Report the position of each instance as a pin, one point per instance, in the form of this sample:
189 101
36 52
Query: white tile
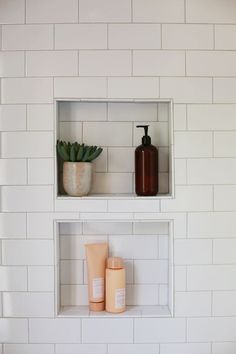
117 249
74 295
134 36
122 136
13 330
210 63
28 304
54 330
27 90
12 11
72 247
105 11
29 348
224 303
211 117
70 228
82 111
142 295
12 64
107 228
27 252
160 330
40 117
211 171
145 246
163 155
210 11
211 224
224 144
12 117
27 198
180 116
223 251
70 131
133 87
211 329
51 63
22 37
121 159
87 87
187 36
13 171
39 225
158 63
190 304
133 205
163 246
224 90
105 63
186 348
41 278
211 277
55 11
27 144
224 37
132 111
107 330
13 278
80 36
104 183
158 132
151 228
193 252
180 278
71 272
224 198
190 198
226 347
81 348
158 11
76 206
40 171
187 90
180 171
133 348
12 225
150 271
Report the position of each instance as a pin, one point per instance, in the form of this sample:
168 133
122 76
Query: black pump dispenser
146 139
146 166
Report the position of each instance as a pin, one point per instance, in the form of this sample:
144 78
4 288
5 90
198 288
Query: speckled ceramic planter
77 178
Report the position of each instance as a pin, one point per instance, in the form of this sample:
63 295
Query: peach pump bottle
115 285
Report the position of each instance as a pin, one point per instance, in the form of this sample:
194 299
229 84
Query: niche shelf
112 124
147 248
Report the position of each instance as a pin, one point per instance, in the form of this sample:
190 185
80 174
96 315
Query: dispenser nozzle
146 140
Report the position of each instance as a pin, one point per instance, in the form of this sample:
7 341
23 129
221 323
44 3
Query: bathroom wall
184 50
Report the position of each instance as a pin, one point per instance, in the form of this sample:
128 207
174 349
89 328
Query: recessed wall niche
112 125
147 248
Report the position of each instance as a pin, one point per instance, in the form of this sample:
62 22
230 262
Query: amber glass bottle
146 166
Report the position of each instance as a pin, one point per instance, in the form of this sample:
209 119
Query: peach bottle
115 285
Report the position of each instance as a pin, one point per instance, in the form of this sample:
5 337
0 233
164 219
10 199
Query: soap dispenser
146 166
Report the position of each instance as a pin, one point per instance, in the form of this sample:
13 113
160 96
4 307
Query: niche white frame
132 311
171 188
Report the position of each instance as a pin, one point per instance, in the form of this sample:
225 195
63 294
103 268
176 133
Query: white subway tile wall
127 49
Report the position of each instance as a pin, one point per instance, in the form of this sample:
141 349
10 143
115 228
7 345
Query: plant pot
77 178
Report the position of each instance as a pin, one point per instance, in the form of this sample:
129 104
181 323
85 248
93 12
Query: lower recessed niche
146 247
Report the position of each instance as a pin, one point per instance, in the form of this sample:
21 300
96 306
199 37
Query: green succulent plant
75 152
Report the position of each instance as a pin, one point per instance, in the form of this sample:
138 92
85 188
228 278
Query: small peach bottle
115 285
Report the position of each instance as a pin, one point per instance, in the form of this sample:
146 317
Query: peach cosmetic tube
96 255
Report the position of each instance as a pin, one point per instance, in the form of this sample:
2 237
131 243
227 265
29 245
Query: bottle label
98 288
120 298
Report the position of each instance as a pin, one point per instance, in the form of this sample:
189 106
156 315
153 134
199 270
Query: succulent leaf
94 154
